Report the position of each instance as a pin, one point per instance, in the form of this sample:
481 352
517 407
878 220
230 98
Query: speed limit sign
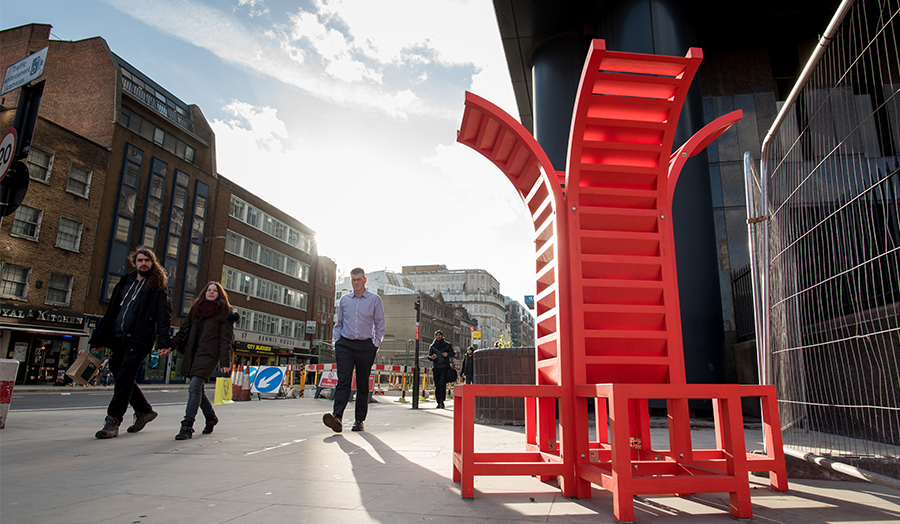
7 149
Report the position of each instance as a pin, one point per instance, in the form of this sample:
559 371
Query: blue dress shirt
359 316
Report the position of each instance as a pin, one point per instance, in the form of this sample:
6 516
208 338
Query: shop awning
43 330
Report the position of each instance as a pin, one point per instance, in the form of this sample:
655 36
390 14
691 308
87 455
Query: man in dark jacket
468 365
441 355
136 320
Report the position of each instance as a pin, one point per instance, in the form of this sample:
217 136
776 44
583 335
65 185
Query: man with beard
136 320
441 355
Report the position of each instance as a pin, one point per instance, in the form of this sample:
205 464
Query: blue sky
341 113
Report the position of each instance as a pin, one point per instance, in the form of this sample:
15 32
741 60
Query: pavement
273 461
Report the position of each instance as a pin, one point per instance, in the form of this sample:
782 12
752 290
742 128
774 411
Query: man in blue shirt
358 331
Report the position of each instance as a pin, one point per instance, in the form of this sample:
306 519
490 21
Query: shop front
44 341
257 349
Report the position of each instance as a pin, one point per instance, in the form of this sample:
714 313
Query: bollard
8 369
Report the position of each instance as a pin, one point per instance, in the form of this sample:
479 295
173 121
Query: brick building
323 300
46 250
268 267
118 161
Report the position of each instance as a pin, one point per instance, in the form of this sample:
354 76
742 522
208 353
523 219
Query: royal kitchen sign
28 316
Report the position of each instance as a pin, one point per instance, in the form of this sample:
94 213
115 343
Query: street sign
7 150
476 334
24 71
268 379
328 379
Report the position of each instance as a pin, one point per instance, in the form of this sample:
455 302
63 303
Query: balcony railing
164 109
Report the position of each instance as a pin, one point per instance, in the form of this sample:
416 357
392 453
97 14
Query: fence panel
829 253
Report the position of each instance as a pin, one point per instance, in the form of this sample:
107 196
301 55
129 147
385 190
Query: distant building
399 297
398 347
521 324
380 282
267 267
323 299
474 289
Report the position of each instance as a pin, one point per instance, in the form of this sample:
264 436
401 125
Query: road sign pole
415 394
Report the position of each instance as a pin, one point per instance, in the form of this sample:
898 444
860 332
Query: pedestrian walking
136 320
441 355
205 338
358 332
468 365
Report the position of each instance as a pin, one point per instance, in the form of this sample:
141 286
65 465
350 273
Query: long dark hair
223 306
156 280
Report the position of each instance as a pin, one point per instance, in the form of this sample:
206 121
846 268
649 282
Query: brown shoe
141 420
333 421
358 425
110 428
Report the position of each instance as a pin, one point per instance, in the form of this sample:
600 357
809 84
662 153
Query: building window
69 236
79 181
238 208
153 204
287 328
27 222
253 217
59 289
14 281
39 165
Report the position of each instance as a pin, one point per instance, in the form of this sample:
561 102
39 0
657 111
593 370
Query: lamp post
415 396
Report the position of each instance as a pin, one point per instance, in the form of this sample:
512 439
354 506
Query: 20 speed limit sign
7 149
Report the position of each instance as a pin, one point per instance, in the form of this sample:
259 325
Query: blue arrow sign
268 379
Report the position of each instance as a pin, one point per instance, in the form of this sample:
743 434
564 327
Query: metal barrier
387 378
824 225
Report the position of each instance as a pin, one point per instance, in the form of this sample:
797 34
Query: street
95 397
274 461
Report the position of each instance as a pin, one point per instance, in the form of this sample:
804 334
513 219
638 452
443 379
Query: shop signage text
40 317
251 337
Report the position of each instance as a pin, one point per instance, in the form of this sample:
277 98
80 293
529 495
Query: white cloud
425 199
379 34
256 7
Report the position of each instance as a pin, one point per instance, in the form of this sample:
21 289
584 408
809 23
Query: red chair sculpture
608 319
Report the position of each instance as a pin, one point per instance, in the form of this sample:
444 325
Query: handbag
452 375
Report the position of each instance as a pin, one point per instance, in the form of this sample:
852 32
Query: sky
341 113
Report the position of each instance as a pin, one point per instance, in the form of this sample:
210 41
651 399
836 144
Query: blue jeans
197 399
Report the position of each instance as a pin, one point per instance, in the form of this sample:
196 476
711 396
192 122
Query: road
90 399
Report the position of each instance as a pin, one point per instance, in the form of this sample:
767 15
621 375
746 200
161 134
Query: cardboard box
84 367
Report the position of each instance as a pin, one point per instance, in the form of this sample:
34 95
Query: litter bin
503 366
8 369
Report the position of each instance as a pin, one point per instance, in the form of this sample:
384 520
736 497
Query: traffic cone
245 390
236 381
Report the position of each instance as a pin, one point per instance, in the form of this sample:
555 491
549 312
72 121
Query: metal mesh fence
829 253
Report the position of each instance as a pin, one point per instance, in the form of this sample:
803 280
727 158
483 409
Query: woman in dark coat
209 330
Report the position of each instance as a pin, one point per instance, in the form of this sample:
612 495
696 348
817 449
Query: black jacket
468 365
153 315
438 347
208 344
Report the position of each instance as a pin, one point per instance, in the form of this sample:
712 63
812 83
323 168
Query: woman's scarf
208 308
